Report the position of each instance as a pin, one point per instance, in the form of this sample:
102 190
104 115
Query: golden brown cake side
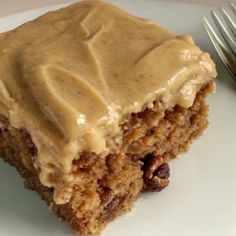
113 183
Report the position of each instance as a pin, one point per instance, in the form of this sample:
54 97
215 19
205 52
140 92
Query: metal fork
225 42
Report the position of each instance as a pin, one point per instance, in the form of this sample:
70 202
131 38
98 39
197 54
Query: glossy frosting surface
70 76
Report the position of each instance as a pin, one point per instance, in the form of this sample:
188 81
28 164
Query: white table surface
12 6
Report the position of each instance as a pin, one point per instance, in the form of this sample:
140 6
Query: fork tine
224 31
233 7
229 20
224 53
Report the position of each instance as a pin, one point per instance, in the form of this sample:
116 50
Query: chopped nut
156 174
105 195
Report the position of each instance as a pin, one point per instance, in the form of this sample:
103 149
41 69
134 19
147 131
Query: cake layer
107 187
72 76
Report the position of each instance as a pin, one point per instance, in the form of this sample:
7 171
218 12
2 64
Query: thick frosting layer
70 76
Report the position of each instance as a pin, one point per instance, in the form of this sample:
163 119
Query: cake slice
94 103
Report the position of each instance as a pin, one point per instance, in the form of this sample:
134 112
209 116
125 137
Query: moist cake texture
93 104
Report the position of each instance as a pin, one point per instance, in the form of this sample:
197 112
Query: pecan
105 195
156 174
111 207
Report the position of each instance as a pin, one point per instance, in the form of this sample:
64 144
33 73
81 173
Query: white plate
201 199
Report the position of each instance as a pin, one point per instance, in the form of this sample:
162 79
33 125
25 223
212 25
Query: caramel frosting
71 76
